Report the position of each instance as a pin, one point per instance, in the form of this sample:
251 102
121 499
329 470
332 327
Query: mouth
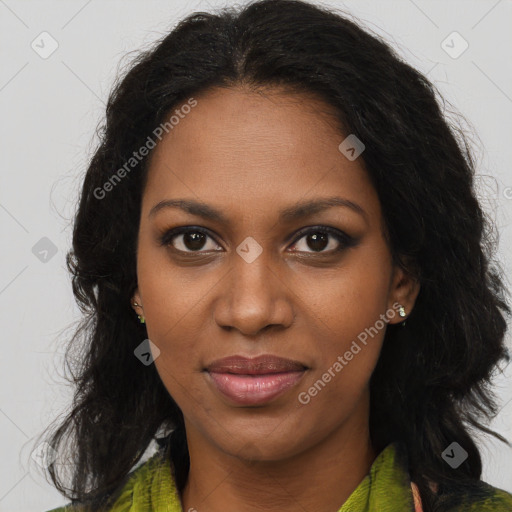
245 381
261 365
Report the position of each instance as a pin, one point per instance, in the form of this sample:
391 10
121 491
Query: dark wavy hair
432 383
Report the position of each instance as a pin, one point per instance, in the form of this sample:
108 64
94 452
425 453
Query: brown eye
189 239
321 238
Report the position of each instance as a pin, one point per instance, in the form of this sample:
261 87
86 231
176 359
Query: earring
402 313
140 317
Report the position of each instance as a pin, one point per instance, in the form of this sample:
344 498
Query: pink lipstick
254 381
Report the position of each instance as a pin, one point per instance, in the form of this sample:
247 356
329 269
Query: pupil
194 241
317 241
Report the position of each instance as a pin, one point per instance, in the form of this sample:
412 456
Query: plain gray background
49 110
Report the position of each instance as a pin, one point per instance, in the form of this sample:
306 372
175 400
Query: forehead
256 150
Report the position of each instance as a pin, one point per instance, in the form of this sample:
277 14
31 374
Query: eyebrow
297 211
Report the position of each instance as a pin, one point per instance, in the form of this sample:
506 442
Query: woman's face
264 275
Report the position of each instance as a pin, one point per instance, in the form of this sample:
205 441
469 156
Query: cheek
343 368
351 297
174 324
347 314
172 297
180 361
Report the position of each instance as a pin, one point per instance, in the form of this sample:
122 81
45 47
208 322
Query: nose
253 297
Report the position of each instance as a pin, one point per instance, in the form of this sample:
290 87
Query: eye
319 238
192 239
188 239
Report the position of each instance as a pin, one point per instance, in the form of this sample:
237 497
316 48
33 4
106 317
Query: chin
262 448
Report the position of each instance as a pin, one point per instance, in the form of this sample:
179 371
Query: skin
250 155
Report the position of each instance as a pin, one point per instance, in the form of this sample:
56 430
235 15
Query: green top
386 488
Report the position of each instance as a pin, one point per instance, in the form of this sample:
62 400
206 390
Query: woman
287 280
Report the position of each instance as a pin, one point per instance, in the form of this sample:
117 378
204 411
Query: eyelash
345 241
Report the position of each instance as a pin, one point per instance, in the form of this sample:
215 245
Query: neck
319 479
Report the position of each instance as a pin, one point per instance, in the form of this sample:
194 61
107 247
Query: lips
261 365
254 381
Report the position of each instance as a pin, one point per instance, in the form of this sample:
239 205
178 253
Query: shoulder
482 497
135 491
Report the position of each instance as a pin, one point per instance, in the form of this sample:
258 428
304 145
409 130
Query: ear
404 290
